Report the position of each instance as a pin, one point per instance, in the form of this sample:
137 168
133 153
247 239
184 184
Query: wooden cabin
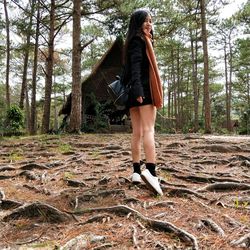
94 88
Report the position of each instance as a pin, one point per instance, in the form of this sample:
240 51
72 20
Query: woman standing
145 95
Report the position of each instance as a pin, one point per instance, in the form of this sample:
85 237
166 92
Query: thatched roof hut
95 84
104 72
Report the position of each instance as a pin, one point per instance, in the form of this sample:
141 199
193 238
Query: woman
145 95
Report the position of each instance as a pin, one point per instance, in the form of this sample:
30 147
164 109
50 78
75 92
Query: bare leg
147 118
136 134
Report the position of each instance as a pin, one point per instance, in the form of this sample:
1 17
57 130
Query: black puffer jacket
138 72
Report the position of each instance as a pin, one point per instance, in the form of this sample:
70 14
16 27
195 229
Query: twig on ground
29 241
134 238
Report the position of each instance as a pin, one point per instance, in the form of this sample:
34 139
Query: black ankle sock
151 168
137 167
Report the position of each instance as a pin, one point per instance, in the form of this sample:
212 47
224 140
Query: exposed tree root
31 166
29 241
160 246
30 175
213 226
170 169
104 246
75 183
134 237
7 168
131 200
219 148
244 241
245 163
224 186
4 177
9 204
172 184
94 196
96 218
155 224
161 204
180 192
230 220
37 190
210 162
240 158
203 179
2 195
37 209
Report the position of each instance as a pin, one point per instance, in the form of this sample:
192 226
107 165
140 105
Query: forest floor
74 192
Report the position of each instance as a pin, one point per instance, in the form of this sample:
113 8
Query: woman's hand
139 99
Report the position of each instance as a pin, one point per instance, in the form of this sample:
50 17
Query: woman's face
147 25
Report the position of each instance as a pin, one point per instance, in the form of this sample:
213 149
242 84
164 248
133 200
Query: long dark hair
137 19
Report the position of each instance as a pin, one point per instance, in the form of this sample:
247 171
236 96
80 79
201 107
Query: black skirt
132 102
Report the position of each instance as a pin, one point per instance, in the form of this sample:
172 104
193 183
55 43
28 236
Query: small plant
68 175
14 120
95 153
15 156
64 148
236 203
243 204
167 176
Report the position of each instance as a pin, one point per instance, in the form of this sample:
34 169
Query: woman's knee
148 130
137 134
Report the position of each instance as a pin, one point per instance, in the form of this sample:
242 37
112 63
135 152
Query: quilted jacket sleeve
136 48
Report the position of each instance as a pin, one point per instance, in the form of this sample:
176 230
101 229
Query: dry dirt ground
74 192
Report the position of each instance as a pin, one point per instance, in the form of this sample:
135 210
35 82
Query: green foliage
245 121
176 23
64 148
95 119
14 120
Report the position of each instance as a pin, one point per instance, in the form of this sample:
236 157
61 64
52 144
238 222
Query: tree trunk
55 108
195 81
207 107
49 72
248 90
34 74
169 93
76 114
7 54
226 84
229 122
177 88
24 88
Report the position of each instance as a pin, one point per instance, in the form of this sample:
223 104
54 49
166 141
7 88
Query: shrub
14 120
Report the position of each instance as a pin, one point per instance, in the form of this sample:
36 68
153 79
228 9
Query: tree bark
49 71
178 89
194 80
7 54
55 107
24 89
34 74
207 105
76 113
229 107
228 122
248 89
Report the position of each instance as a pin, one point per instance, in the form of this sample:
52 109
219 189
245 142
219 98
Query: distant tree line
49 47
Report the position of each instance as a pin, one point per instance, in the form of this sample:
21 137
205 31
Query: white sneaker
151 181
136 178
